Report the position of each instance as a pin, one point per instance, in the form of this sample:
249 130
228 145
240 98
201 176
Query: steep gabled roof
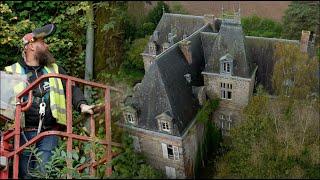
165 88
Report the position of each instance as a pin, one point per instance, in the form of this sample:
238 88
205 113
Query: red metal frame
9 151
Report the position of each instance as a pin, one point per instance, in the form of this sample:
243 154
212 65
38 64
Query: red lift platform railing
7 151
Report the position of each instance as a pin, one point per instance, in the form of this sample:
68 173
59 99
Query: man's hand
86 108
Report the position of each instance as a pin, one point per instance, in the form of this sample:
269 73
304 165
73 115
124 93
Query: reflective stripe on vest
57 97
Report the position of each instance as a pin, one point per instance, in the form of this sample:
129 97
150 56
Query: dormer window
165 126
226 64
152 48
165 122
226 67
165 46
130 115
130 118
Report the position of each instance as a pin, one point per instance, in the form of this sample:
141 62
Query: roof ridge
183 15
278 39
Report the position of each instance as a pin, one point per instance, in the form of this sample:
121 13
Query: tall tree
301 15
295 74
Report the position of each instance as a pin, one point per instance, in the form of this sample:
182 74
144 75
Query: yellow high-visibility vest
57 97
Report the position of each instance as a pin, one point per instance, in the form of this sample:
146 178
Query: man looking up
48 108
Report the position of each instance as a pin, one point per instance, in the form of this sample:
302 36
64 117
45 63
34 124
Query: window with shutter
171 172
170 151
176 152
164 150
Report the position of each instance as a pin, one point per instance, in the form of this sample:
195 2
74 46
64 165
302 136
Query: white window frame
226 64
171 172
225 121
225 89
152 49
130 118
226 67
175 151
165 124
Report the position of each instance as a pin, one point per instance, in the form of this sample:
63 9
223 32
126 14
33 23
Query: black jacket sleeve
77 95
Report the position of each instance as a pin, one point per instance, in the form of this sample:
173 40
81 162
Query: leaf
63 154
108 26
82 160
75 156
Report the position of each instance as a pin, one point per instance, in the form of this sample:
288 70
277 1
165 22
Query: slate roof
182 24
230 39
164 87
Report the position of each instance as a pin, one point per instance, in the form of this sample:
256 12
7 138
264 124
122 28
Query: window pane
229 94
170 152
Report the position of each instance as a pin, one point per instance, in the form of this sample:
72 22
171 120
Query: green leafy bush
261 27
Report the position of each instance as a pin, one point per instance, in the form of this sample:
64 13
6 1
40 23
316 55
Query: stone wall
241 89
150 145
229 113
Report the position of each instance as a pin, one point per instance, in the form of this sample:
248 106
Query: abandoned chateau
188 60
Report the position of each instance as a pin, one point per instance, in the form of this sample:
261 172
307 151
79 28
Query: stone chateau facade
190 59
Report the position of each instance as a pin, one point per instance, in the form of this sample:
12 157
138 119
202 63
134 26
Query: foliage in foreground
279 138
130 164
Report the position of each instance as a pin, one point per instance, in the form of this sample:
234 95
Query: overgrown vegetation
279 137
261 27
128 164
212 136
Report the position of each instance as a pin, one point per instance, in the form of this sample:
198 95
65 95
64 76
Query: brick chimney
209 18
185 47
304 42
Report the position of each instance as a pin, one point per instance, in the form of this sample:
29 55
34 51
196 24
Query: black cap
43 31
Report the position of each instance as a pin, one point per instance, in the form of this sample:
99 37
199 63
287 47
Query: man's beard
44 57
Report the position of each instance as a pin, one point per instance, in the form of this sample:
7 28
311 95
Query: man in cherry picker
48 109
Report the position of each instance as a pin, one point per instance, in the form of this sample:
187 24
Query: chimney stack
209 18
185 47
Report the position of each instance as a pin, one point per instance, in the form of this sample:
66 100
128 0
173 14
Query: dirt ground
268 9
